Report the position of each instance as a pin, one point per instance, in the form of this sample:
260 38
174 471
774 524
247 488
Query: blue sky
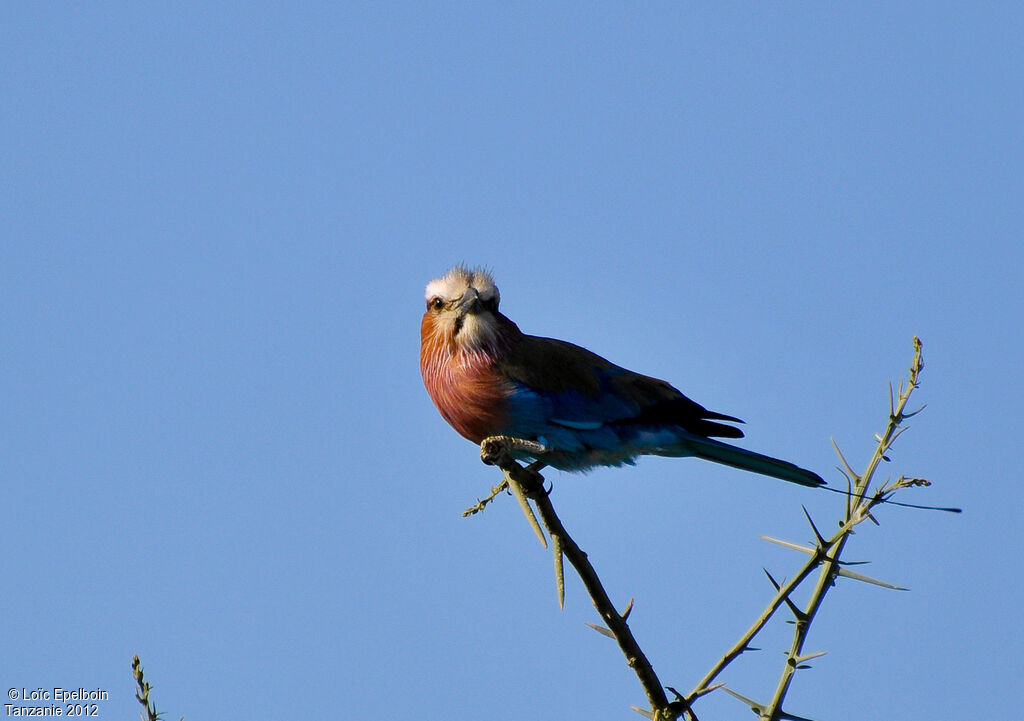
216 224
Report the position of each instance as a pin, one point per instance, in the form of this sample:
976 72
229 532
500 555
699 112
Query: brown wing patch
554 366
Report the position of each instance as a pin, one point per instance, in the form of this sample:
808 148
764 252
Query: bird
580 411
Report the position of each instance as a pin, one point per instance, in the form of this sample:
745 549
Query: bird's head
462 311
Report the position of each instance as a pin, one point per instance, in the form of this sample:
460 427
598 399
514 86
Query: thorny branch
825 555
149 712
495 451
858 508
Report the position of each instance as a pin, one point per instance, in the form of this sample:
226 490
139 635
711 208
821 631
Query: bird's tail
750 461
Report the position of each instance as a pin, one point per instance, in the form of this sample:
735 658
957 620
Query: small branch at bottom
495 452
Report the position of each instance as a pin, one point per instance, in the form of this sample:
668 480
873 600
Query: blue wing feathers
554 383
591 412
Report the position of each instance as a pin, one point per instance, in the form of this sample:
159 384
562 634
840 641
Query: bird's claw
532 471
498 450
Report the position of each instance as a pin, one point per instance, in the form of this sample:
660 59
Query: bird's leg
497 451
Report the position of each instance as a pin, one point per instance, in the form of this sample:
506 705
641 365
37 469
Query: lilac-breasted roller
488 378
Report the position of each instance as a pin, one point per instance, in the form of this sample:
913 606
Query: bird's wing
575 388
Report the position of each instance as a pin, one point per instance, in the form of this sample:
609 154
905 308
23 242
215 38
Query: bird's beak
468 303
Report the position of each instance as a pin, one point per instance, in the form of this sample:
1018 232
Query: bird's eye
435 303
490 304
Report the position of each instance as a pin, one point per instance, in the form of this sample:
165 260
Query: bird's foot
501 450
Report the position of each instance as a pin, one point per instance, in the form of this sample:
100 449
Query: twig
527 485
825 554
532 484
149 712
743 644
481 505
856 512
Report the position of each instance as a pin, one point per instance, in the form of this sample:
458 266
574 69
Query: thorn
797 613
757 708
643 712
822 543
897 434
705 691
783 716
787 544
809 656
843 458
628 610
556 547
600 629
911 414
868 579
517 491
